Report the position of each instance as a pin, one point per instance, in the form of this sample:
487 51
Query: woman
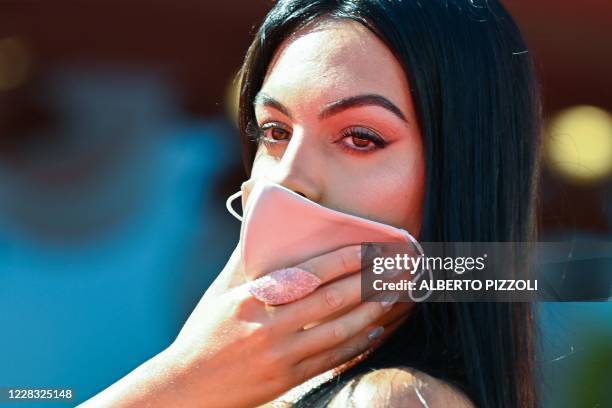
419 114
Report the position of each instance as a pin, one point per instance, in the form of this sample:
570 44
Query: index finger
334 264
289 284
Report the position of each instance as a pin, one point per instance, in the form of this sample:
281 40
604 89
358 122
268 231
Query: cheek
404 202
392 193
263 164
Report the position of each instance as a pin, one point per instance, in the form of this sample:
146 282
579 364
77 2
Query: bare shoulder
399 387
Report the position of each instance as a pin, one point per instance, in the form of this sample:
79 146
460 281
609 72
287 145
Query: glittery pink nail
284 285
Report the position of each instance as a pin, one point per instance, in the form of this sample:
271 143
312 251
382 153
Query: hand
235 351
262 350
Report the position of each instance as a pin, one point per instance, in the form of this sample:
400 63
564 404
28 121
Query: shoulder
399 387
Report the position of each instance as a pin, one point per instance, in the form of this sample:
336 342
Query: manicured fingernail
375 332
358 252
284 285
386 304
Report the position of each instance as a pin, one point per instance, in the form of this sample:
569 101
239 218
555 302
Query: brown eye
278 133
274 132
360 142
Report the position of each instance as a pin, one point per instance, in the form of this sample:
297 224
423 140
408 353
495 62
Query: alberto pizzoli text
459 285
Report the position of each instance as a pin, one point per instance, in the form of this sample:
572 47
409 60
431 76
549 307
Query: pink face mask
281 228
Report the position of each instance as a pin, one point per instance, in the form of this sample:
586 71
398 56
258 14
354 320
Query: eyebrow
338 106
266 100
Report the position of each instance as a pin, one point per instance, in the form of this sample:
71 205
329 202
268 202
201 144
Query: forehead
334 59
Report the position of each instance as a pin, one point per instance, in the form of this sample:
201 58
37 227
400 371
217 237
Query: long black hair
477 103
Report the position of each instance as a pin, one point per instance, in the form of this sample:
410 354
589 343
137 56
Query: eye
361 140
273 132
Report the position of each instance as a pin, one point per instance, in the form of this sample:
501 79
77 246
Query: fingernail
386 304
375 332
284 285
358 251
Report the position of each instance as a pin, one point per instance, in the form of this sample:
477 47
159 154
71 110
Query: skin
324 63
399 387
235 351
321 65
312 154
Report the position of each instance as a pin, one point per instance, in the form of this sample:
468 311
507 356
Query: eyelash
257 134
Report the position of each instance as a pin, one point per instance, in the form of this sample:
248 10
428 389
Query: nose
300 167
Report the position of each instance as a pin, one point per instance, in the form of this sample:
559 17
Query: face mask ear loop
228 205
419 249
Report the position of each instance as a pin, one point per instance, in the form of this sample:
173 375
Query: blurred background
118 148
